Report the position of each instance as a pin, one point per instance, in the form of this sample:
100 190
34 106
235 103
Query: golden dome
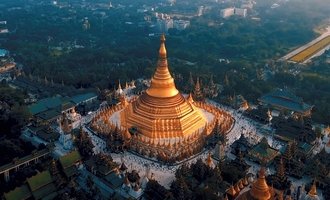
260 189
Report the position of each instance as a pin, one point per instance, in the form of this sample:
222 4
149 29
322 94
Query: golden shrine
259 190
162 112
161 122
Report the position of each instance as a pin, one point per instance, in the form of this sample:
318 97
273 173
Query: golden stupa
259 190
162 112
166 125
161 123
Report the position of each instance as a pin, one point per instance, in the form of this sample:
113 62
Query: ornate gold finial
162 49
162 38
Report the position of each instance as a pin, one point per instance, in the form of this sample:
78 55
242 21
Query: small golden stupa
259 190
312 194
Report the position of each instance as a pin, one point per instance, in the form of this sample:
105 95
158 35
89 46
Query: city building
3 27
69 164
86 25
40 186
241 12
50 109
200 11
263 152
181 24
6 62
164 24
227 12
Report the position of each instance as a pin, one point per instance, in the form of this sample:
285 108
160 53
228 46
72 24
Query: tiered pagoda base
166 151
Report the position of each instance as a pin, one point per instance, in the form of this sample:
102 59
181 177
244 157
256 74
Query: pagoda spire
231 191
119 85
280 173
162 83
190 82
119 91
198 85
190 98
211 84
312 192
197 91
260 190
209 161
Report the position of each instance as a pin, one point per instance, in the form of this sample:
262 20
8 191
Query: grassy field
310 51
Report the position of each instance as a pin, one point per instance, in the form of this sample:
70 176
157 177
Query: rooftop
19 193
101 168
114 180
46 192
83 97
49 108
70 159
39 180
263 152
49 114
45 104
286 99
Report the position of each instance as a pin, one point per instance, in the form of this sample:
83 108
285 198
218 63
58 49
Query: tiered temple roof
263 152
285 100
